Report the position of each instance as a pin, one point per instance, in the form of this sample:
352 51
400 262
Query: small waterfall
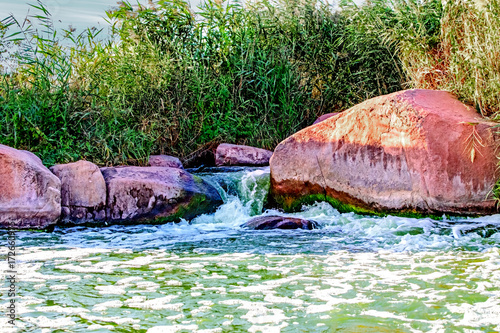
249 186
253 190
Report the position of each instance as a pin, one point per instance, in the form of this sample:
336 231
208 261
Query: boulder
165 161
83 192
30 195
156 195
325 117
279 222
228 154
409 153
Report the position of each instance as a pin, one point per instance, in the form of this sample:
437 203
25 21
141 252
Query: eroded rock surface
229 154
410 152
83 192
279 222
30 195
156 194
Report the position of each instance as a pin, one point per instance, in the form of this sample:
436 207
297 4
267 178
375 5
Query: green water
355 274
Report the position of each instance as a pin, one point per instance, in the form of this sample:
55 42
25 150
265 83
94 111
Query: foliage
170 81
455 47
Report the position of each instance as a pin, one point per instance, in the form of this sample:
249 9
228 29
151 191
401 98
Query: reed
167 81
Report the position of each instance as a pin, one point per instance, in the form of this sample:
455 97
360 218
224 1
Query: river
354 274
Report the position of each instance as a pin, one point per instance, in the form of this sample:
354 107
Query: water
355 274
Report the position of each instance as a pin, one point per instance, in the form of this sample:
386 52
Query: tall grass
168 81
454 47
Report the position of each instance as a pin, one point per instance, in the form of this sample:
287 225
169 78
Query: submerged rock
410 152
279 222
165 161
156 194
30 195
229 154
83 192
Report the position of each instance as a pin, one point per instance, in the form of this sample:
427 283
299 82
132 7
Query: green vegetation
169 81
295 204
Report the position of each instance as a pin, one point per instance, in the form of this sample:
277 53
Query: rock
156 194
279 222
165 161
411 152
325 117
83 192
30 195
228 154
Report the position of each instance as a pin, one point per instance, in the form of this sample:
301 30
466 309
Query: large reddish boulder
229 154
156 194
410 152
83 192
325 117
30 195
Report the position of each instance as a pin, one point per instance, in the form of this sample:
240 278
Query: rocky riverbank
415 152
34 197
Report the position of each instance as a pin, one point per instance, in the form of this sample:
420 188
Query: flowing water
355 274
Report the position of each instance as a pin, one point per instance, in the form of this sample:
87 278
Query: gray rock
156 194
165 161
83 192
229 154
30 195
279 222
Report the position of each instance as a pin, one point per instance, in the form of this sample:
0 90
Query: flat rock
156 194
165 161
410 152
83 192
30 195
229 154
279 222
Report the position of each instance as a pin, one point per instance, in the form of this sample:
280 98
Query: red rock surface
325 117
229 154
414 151
30 195
83 192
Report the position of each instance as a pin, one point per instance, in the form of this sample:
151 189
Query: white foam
106 305
172 328
162 303
116 320
44 322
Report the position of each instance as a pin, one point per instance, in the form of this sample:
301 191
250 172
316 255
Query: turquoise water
355 274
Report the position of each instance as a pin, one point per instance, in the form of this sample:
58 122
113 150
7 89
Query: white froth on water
172 328
44 322
387 273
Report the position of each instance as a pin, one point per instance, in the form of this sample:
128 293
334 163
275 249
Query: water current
354 274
